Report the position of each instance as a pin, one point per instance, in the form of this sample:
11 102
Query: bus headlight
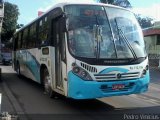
147 67
81 72
144 72
76 69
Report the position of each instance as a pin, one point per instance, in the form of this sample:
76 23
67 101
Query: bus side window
32 36
15 45
43 31
19 41
25 38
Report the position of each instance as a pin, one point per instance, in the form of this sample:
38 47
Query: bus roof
69 3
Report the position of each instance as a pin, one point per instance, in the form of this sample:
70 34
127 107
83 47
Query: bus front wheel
47 84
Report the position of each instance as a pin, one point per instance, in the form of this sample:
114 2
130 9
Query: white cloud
152 11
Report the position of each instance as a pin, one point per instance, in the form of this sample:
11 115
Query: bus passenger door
59 64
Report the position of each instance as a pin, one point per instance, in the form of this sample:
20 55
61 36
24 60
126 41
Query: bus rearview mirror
63 24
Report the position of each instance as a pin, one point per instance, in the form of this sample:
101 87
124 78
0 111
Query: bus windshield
126 32
103 33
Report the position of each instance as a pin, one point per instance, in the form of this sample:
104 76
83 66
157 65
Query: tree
122 3
19 26
144 21
11 13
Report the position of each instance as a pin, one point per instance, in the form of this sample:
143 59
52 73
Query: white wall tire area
47 83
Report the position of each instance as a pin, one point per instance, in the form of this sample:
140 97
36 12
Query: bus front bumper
81 89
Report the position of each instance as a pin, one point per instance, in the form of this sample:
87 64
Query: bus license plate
118 86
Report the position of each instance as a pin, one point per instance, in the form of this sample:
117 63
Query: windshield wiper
96 30
125 39
98 36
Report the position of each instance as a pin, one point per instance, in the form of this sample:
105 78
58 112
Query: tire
47 84
18 70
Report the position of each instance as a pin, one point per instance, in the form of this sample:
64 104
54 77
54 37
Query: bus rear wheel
47 84
18 70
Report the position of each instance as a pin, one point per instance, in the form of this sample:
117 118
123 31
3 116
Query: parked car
6 58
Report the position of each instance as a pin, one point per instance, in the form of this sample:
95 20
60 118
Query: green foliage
144 21
19 26
11 13
107 1
110 1
122 3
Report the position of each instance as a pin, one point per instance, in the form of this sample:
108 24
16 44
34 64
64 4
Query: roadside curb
18 109
16 105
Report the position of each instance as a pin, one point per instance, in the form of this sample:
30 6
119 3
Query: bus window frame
53 15
24 39
40 25
15 42
19 41
34 35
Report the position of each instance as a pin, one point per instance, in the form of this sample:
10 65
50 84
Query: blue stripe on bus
81 89
111 69
33 65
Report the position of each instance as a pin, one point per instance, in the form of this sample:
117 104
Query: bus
83 51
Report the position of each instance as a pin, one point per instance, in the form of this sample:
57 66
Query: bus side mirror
63 24
63 49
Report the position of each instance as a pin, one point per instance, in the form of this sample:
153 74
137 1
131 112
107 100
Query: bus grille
114 76
89 68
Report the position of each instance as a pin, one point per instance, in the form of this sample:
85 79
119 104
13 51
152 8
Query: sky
147 7
28 9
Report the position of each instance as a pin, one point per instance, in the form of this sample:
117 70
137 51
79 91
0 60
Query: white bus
83 51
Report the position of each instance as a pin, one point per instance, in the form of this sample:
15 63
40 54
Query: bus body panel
79 88
52 73
29 63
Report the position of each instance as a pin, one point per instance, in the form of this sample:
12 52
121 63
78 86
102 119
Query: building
152 41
